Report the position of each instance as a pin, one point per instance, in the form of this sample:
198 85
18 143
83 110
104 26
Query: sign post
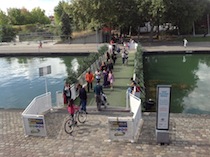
163 113
44 71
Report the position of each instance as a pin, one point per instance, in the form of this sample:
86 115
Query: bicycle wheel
82 116
69 126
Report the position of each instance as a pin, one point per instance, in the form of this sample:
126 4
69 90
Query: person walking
89 79
124 56
98 74
40 44
82 96
111 79
185 42
107 56
98 90
110 65
106 82
67 93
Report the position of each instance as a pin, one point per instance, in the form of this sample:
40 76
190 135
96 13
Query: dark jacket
83 94
98 90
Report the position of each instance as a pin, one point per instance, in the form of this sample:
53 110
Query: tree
66 29
3 18
38 16
184 13
15 16
93 14
151 11
27 16
59 10
7 33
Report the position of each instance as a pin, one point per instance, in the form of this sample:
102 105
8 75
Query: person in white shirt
185 42
98 74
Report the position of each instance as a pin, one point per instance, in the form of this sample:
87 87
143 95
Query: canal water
189 76
20 81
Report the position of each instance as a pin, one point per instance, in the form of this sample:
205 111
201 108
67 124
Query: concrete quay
189 136
47 49
176 47
68 49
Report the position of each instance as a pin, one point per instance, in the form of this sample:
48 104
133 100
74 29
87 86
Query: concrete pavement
51 48
47 48
190 137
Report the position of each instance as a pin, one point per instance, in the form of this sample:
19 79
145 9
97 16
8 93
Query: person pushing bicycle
76 115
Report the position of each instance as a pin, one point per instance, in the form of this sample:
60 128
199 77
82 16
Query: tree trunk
138 33
151 33
130 30
208 25
193 28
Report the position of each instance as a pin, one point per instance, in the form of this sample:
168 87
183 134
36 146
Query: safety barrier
127 128
33 115
81 80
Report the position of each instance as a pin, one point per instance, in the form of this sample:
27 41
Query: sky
47 5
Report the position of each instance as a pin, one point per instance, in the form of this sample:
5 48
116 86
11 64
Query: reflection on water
189 76
198 98
20 81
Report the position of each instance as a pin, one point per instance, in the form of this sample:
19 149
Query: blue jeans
83 103
129 90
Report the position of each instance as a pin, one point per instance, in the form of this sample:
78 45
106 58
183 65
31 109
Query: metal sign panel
163 106
44 70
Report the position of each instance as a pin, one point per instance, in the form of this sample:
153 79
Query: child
71 107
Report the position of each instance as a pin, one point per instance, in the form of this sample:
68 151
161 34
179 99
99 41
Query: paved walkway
51 48
190 137
189 134
47 48
122 75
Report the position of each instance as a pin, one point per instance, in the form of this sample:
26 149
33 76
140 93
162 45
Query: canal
20 81
189 76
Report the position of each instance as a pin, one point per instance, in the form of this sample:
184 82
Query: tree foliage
38 16
66 29
7 33
23 16
15 16
94 14
183 13
3 18
59 10
115 14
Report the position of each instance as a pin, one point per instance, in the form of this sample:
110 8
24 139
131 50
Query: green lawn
198 39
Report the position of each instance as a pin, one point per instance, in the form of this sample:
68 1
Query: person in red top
71 107
89 78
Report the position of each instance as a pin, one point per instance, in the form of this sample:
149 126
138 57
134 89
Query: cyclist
71 107
98 90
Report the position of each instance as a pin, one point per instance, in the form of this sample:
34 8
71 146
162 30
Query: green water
189 76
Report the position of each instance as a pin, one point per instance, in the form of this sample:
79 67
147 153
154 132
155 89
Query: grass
198 39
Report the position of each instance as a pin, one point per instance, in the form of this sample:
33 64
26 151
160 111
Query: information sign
163 106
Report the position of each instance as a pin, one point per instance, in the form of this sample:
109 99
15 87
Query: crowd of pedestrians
103 77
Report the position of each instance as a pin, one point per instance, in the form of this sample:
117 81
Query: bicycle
79 115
